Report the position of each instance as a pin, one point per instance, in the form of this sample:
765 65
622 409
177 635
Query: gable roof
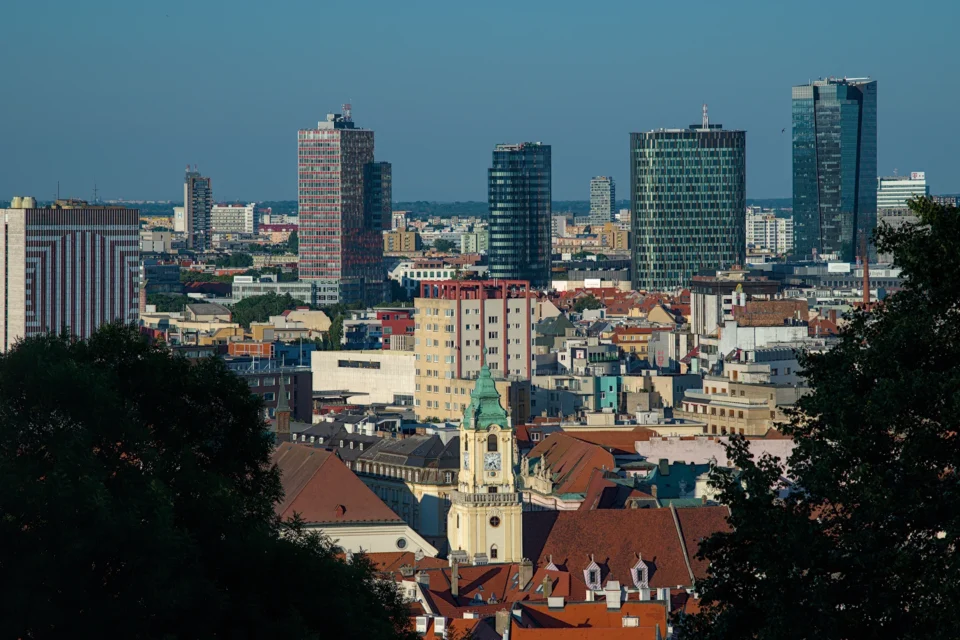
571 461
697 524
308 475
614 537
589 620
617 441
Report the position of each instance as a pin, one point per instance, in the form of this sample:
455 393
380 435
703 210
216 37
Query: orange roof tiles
697 524
590 620
571 461
614 537
308 473
618 441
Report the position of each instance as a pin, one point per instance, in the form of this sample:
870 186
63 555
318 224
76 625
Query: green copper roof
484 408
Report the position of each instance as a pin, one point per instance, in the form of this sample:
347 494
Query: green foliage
260 308
235 260
138 500
293 242
335 334
167 302
866 545
586 302
443 246
581 255
186 277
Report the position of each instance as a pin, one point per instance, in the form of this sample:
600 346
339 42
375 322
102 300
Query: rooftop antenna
58 189
347 112
95 192
706 118
895 172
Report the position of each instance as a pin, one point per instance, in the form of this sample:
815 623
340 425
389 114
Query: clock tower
484 522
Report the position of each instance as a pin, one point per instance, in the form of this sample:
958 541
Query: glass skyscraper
834 166
688 203
520 189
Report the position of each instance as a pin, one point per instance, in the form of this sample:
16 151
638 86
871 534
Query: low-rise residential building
353 516
250 286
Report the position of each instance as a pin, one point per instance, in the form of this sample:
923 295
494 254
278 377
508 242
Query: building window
493 552
448 478
269 396
491 442
494 522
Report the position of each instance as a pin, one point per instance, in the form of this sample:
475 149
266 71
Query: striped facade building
74 267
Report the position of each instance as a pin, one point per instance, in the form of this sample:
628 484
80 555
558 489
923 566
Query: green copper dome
484 408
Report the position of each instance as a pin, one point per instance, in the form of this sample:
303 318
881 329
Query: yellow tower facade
484 522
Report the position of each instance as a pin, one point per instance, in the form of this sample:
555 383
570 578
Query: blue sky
125 93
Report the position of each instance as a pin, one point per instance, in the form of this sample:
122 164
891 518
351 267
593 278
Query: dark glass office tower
834 166
688 203
520 199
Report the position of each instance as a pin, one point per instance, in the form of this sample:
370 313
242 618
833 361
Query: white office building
233 218
603 199
893 192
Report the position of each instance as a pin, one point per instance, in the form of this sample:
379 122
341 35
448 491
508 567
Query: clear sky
125 93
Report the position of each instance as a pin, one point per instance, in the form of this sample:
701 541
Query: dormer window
591 575
491 442
640 574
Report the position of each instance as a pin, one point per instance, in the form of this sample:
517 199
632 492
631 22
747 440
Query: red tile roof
391 561
614 537
308 474
604 493
617 441
697 524
590 620
571 461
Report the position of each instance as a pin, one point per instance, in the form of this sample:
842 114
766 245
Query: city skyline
133 145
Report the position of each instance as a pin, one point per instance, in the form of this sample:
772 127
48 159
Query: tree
167 302
137 495
335 333
588 301
293 242
260 308
235 261
864 545
443 246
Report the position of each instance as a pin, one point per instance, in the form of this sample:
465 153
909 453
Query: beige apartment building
728 407
401 241
457 322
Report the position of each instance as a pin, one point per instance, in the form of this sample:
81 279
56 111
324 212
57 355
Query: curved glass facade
520 192
688 204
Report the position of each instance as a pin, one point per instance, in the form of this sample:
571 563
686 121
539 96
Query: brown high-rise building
70 266
197 205
344 202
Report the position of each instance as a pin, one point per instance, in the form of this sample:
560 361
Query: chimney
423 579
526 573
454 579
547 587
503 621
143 297
653 490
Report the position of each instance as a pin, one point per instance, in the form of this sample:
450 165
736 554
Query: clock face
466 461
491 462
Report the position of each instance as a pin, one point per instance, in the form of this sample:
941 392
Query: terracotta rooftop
618 441
392 561
571 461
697 524
318 486
614 537
590 620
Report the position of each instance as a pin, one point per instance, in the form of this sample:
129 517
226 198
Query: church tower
484 522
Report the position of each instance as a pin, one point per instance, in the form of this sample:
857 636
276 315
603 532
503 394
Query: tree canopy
260 308
235 260
165 302
864 544
443 245
586 302
138 500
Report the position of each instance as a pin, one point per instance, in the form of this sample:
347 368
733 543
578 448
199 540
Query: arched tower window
491 442
493 552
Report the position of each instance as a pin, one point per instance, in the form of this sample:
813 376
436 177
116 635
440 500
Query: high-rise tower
342 196
603 199
520 201
688 203
834 166
197 204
